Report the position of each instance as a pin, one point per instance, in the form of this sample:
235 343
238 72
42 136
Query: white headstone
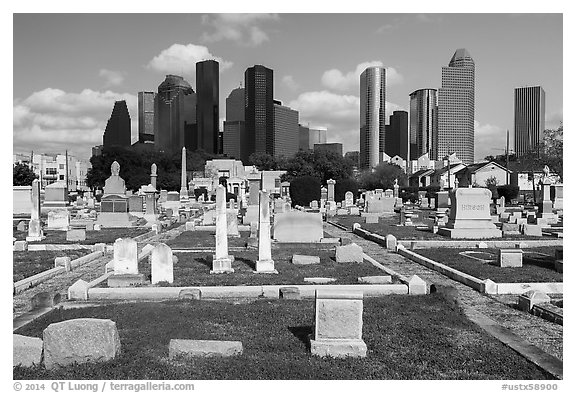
125 256
162 264
221 262
264 264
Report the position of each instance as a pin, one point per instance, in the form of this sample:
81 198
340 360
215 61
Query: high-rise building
146 116
372 115
456 108
286 132
118 130
259 109
332 147
310 136
234 138
529 116
423 124
207 106
396 141
175 115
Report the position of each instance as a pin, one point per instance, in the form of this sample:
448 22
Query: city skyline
57 109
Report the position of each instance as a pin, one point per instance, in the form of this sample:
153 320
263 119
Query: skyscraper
396 140
423 124
118 130
259 105
146 116
175 115
456 108
309 136
529 116
234 138
207 107
286 132
372 115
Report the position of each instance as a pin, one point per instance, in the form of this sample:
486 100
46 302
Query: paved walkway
536 331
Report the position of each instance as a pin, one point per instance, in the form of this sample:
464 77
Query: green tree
22 175
304 190
383 176
323 165
263 161
552 150
344 185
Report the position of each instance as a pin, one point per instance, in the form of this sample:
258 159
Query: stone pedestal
338 324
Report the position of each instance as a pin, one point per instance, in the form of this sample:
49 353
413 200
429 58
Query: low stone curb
416 244
534 354
32 281
59 247
260 291
339 226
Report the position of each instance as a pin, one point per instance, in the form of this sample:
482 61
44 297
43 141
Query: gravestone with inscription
114 203
470 215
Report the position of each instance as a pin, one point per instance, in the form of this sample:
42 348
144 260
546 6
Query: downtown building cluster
440 122
178 116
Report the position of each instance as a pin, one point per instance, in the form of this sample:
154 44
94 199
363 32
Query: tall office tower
529 116
259 109
118 130
234 138
175 115
423 124
146 116
207 106
331 147
397 135
372 115
286 133
456 108
310 136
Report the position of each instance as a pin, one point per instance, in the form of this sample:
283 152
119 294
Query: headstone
21 227
383 205
531 230
442 199
89 226
289 293
209 217
163 196
510 229
26 351
232 222
349 253
371 218
76 235
78 290
254 189
375 280
324 194
162 264
254 229
388 193
58 219
153 174
470 215
348 199
416 286
331 183
221 262
510 258
338 324
298 227
391 242
203 348
265 263
97 227
55 195
558 196
354 211
125 256
20 245
314 204
305 259
189 226
83 340
135 204
531 298
64 262
21 199
251 214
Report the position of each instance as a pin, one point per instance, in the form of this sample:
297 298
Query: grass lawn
106 235
408 337
387 225
194 268
535 267
28 263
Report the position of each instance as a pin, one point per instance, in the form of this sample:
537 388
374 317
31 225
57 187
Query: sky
68 69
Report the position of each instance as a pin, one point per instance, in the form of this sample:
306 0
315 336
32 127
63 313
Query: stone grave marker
265 263
76 235
338 324
298 227
26 351
349 253
162 264
221 262
510 257
58 219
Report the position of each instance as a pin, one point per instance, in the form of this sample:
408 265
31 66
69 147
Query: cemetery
183 288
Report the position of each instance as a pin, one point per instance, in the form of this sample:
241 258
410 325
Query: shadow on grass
546 262
205 261
303 334
251 264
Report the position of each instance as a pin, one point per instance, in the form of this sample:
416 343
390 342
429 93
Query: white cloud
289 82
52 120
338 80
339 113
111 78
181 59
490 140
244 29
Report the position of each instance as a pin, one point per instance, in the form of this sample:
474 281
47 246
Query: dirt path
536 331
